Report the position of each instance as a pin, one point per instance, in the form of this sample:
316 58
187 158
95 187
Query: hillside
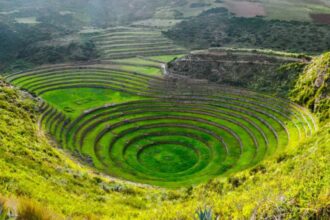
219 28
312 87
267 71
42 178
111 12
164 109
35 171
35 32
24 46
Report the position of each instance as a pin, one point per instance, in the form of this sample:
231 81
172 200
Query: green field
164 109
218 28
166 58
123 116
74 101
297 10
129 42
131 122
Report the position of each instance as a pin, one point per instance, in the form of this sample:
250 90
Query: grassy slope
166 58
312 88
32 168
74 101
294 9
295 183
215 28
145 70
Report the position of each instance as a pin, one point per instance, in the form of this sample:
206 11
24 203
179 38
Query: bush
204 214
29 210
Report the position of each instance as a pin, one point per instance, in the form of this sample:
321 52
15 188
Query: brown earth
321 18
246 9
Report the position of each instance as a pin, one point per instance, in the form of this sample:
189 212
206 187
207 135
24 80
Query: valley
173 109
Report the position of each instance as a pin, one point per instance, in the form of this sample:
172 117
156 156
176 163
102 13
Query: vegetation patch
221 29
312 87
168 131
24 46
127 42
76 191
184 141
261 70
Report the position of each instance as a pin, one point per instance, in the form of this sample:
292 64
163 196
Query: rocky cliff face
251 70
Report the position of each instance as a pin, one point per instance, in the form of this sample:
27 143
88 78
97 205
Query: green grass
119 43
166 58
293 9
137 60
120 122
203 32
311 88
50 181
145 70
222 133
297 10
138 48
73 102
121 160
167 158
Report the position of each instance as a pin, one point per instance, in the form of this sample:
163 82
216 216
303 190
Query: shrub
3 209
204 214
29 210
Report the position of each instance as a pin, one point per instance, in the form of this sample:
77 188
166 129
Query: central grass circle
168 158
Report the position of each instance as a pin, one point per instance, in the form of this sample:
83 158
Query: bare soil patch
321 18
246 9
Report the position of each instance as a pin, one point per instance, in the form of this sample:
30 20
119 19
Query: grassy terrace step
69 68
51 78
53 120
127 40
277 104
43 80
270 111
171 132
145 38
143 53
237 115
131 42
145 48
126 29
126 34
105 43
37 85
137 45
90 127
60 76
40 87
141 50
133 63
163 58
210 113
